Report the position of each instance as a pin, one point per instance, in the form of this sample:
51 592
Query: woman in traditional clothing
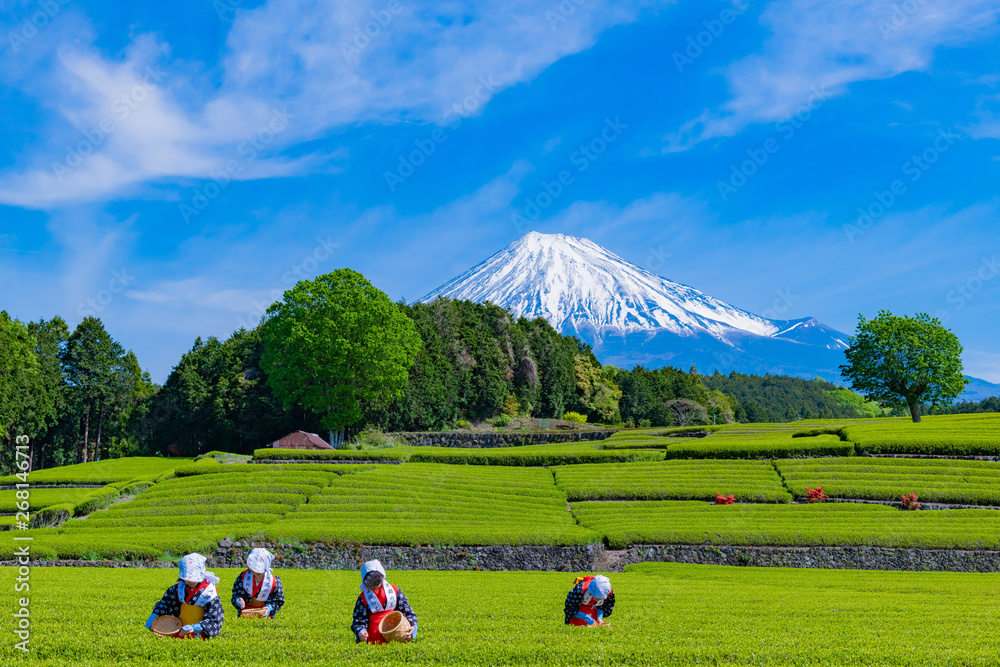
193 599
378 597
590 601
258 585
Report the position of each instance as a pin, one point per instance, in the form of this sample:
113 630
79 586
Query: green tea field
665 614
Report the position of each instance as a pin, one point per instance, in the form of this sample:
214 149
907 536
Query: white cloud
822 47
120 123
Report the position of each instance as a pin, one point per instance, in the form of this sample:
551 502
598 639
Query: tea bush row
679 522
749 481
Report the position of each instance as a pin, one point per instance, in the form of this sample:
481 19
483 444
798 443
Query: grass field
933 480
665 614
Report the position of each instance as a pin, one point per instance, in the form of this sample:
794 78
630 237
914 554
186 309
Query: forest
81 395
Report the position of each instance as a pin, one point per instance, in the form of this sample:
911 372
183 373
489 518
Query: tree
686 412
905 361
20 382
335 342
93 367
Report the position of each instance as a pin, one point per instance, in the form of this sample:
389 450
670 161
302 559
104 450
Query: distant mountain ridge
632 316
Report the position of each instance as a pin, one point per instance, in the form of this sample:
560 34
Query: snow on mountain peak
580 287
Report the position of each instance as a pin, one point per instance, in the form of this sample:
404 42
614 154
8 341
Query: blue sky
173 167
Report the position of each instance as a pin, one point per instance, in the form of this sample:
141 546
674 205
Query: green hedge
166 490
527 455
140 543
709 448
98 500
54 515
272 468
41 498
127 510
107 522
259 499
388 454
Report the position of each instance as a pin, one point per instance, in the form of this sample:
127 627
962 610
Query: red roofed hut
301 440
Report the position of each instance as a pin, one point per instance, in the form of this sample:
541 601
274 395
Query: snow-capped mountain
584 289
632 316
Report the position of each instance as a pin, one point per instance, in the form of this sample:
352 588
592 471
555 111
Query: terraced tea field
933 480
666 614
437 504
841 524
750 481
629 489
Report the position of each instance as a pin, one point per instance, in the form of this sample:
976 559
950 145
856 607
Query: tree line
337 355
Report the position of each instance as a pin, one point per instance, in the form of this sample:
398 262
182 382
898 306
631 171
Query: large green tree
905 361
333 343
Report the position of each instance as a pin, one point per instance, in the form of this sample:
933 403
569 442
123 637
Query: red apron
587 609
374 636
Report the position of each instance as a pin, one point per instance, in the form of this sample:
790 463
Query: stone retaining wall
587 558
496 438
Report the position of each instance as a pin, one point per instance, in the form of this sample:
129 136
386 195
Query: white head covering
259 560
192 568
372 566
600 587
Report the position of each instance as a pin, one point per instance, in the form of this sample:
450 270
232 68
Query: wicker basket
394 627
166 626
253 612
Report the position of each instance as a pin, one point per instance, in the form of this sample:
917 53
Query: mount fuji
631 316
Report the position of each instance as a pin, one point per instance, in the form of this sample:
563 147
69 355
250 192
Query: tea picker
257 590
590 601
190 608
382 613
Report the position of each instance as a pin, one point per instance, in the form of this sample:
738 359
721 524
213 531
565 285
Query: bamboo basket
253 612
394 627
166 626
